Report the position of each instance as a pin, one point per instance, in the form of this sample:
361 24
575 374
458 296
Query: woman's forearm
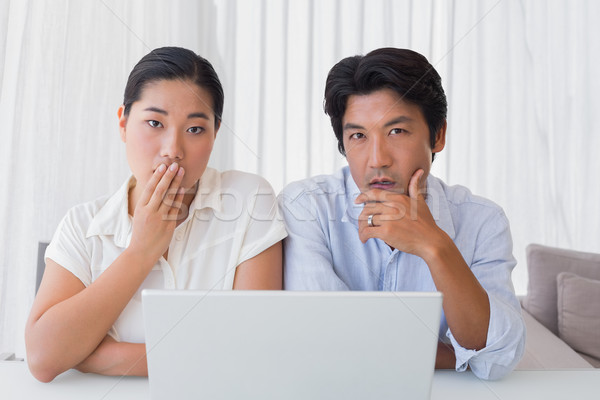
68 332
115 358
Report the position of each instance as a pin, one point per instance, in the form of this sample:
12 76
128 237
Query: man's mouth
381 183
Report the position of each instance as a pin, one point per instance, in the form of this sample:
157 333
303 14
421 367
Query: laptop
290 345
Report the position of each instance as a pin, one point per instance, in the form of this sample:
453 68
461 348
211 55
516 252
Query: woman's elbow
40 364
41 369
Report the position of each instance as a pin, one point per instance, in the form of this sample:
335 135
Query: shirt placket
175 252
388 280
168 275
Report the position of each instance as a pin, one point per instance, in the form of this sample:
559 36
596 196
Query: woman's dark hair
406 72
169 63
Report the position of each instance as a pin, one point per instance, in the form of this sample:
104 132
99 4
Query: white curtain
63 69
519 75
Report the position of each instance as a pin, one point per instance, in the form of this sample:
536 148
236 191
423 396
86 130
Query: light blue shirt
323 252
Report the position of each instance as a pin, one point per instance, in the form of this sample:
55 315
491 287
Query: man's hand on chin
402 221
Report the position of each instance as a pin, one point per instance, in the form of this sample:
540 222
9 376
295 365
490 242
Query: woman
174 224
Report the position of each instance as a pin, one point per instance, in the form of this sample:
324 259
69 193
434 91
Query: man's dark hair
170 63
404 71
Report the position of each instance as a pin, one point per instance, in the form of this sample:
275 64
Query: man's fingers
413 185
372 196
387 210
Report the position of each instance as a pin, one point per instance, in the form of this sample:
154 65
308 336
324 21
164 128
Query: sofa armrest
544 350
9 357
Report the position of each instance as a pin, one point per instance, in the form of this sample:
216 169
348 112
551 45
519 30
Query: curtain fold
520 77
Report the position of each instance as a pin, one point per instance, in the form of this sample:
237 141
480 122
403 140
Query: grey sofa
561 309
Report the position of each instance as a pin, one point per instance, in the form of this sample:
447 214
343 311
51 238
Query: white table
17 383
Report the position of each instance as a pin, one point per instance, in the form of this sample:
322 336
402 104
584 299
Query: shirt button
179 236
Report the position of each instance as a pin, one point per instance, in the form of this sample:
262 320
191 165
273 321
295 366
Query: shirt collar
113 217
436 201
352 191
209 192
438 205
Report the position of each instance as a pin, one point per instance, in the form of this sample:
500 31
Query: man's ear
122 123
440 139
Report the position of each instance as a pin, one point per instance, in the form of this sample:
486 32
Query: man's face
386 141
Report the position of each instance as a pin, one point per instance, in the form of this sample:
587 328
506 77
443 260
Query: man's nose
379 154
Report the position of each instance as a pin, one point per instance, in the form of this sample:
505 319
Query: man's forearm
445 357
466 303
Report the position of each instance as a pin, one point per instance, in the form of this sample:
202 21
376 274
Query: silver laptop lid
290 345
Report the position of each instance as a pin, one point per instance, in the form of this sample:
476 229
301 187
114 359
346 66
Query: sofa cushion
579 313
544 350
543 265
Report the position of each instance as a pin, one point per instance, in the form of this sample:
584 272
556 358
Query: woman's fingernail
161 168
174 167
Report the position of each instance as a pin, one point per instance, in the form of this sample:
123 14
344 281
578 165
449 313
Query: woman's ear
217 127
440 139
122 123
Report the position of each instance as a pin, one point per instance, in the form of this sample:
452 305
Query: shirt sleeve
265 226
68 247
307 260
492 265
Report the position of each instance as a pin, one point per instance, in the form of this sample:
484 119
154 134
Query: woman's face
173 121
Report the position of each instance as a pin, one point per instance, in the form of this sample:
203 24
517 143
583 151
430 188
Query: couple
166 227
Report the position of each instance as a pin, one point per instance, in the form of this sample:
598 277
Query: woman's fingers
176 206
170 199
151 185
162 187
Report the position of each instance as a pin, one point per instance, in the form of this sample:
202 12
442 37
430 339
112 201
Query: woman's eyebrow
157 110
198 115
190 116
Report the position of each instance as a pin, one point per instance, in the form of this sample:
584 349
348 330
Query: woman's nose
172 146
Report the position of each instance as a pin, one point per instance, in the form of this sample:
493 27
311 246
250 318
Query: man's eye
154 123
357 135
397 131
196 130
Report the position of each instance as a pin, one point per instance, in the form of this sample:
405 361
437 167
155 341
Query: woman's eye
196 130
154 123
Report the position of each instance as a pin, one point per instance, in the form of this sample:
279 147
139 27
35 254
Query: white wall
520 78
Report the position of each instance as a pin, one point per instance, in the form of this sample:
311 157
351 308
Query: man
384 223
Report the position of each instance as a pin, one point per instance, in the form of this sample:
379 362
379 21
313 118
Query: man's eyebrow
398 120
350 125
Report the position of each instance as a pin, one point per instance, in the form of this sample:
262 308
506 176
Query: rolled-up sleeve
492 264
